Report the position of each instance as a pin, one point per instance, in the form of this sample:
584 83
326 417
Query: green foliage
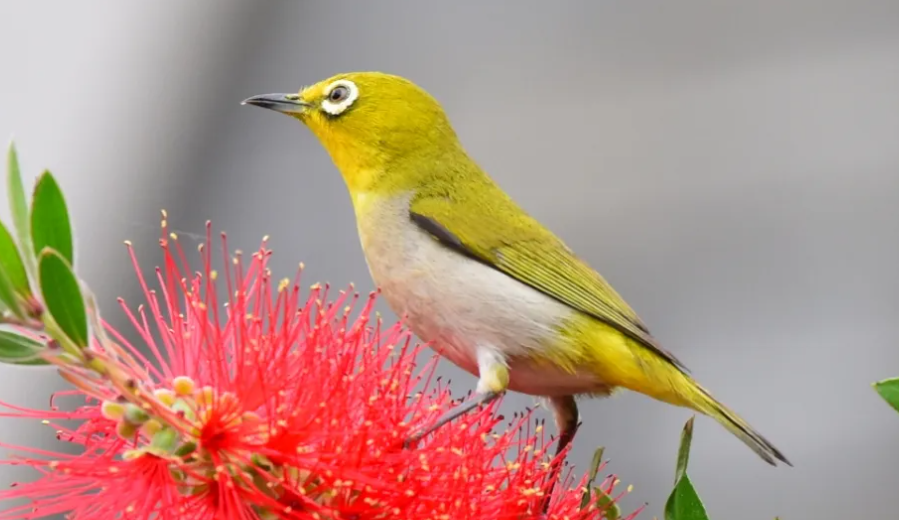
50 227
595 494
16 349
683 453
19 208
684 503
8 296
607 505
38 288
594 469
18 270
889 391
11 263
62 296
14 286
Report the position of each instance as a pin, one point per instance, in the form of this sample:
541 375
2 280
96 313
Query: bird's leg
492 383
460 410
567 422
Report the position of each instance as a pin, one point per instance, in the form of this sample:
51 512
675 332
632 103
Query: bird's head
372 124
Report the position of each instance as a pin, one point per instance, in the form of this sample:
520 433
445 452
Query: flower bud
151 427
166 440
165 396
112 410
126 430
183 385
135 415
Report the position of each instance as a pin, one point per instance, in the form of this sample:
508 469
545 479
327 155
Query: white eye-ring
339 96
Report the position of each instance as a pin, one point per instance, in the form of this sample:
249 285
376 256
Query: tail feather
629 365
740 428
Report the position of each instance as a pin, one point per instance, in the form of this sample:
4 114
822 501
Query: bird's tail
630 365
702 401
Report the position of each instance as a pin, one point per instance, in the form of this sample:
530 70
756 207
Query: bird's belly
457 317
459 304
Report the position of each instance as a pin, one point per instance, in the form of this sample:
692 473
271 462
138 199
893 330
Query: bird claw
407 444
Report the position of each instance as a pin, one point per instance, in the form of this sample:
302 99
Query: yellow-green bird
494 291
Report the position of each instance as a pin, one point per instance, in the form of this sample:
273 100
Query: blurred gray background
731 167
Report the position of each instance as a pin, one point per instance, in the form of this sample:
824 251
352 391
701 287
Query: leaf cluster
42 302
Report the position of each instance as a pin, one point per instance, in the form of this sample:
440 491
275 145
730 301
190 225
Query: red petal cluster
268 404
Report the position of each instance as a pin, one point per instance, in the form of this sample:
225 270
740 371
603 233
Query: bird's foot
463 409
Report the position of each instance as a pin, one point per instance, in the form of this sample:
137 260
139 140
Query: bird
473 274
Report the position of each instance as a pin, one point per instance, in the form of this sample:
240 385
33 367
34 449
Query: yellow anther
183 385
112 410
165 396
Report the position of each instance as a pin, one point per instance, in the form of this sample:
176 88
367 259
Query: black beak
284 103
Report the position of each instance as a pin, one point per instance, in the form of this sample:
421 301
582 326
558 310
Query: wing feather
520 247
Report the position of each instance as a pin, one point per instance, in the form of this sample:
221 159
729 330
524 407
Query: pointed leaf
594 469
18 206
16 349
684 503
62 296
607 505
889 390
11 263
50 226
683 454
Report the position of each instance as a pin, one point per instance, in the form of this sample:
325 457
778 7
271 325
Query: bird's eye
338 94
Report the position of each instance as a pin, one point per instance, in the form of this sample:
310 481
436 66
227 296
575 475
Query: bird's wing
502 236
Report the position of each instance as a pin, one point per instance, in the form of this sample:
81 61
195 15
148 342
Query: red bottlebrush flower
260 403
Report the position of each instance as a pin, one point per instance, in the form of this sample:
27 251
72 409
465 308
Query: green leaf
8 296
684 503
683 453
607 505
50 227
18 206
889 390
62 296
11 263
594 469
16 349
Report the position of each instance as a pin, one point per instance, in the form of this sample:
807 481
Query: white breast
458 303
